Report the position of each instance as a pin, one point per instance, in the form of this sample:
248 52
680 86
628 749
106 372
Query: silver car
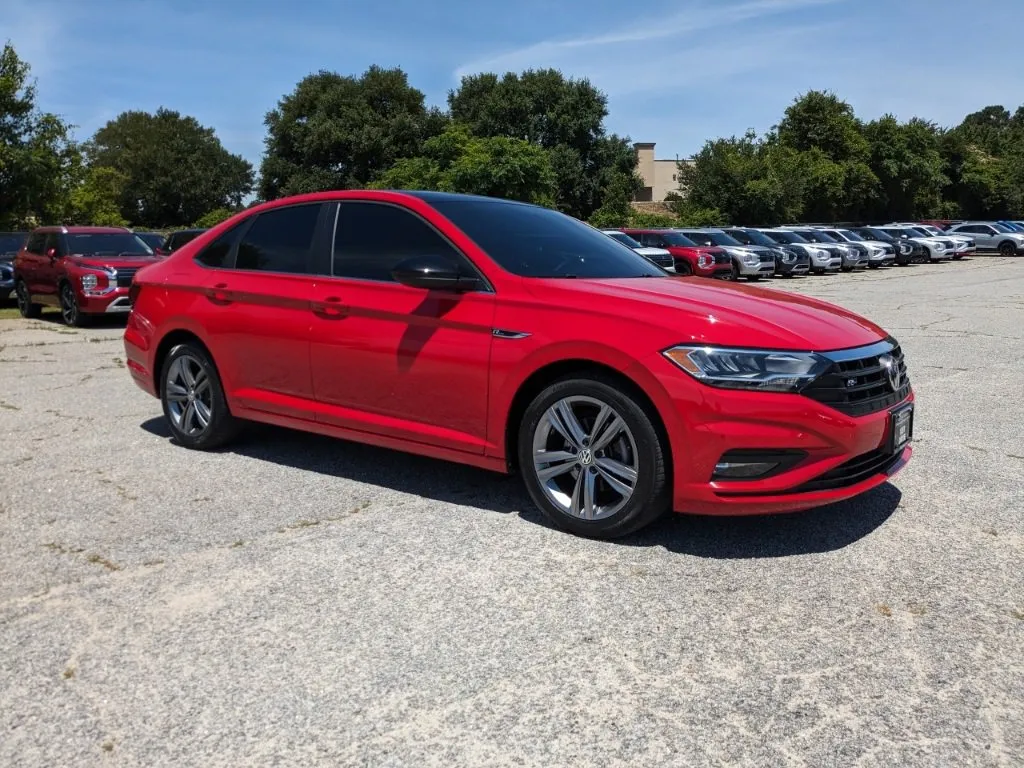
992 237
963 245
880 254
936 248
751 262
822 259
852 256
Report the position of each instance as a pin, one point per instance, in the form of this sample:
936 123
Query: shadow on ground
824 529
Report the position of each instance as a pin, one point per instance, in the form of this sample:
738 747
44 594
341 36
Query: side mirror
51 253
434 273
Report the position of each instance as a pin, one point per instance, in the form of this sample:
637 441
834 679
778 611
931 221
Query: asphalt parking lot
296 600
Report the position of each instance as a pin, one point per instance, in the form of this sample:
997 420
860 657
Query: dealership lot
302 600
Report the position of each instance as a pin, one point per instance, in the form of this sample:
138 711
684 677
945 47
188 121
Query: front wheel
683 269
592 459
27 309
1007 248
193 399
70 312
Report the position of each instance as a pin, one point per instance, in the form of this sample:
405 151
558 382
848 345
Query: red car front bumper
112 302
845 455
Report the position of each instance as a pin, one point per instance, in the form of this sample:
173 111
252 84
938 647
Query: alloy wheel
189 395
585 458
68 304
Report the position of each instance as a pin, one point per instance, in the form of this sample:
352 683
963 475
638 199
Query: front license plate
902 427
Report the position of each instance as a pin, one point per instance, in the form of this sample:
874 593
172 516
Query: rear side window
280 240
36 243
218 253
371 239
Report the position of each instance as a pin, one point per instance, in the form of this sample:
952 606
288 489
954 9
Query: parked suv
514 338
852 257
85 271
906 251
177 239
658 256
963 245
690 258
788 261
822 260
879 253
10 244
991 237
751 262
935 248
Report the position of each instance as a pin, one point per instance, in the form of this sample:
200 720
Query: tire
753 278
189 376
735 272
683 268
958 256
635 459
27 309
70 312
1007 248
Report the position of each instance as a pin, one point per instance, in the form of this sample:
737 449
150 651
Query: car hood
702 311
123 261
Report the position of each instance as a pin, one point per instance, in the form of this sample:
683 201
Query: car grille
860 386
663 261
889 249
856 470
124 277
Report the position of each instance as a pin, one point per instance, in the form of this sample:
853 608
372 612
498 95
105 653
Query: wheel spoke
589 488
577 495
609 433
555 470
599 422
621 488
176 393
202 382
186 370
186 418
565 423
202 413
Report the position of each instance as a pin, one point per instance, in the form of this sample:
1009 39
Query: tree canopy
174 169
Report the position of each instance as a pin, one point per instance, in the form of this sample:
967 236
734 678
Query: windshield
95 243
679 240
874 234
152 239
751 237
853 237
931 230
530 241
1001 228
1009 226
712 238
921 231
625 239
785 237
11 243
898 233
815 236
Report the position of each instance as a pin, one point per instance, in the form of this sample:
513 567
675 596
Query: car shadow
824 529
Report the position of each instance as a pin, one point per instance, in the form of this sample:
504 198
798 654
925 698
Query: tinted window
177 239
53 241
530 241
110 243
814 236
11 243
1000 228
679 240
625 239
874 234
36 243
371 239
218 253
720 238
279 240
785 237
152 239
853 237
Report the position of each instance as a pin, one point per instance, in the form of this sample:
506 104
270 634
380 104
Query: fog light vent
756 463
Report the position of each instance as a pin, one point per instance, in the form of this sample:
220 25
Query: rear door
390 359
29 260
256 307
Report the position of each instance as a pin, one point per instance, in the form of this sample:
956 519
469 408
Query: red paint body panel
425 372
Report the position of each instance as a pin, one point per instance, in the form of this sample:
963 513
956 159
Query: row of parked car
754 253
96 280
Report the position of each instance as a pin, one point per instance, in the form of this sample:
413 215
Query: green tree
214 217
563 116
340 132
494 166
96 199
907 160
38 158
616 210
175 169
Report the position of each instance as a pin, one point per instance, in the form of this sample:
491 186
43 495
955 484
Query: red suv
85 271
691 259
515 338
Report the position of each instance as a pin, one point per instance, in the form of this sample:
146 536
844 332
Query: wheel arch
539 379
169 342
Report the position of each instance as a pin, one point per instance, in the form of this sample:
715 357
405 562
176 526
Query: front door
256 308
51 268
389 359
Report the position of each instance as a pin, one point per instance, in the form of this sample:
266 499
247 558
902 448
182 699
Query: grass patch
9 313
108 564
884 609
1018 615
8 406
69 672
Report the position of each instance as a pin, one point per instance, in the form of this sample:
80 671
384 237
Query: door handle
330 308
218 294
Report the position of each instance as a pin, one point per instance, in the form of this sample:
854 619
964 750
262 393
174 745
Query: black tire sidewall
222 425
27 309
650 498
78 319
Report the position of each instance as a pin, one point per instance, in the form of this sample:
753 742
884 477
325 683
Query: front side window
530 241
371 239
625 239
280 240
36 243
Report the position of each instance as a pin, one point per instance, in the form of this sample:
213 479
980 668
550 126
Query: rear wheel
683 268
70 312
193 399
25 305
592 459
1007 248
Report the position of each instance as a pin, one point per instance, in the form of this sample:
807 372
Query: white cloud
602 52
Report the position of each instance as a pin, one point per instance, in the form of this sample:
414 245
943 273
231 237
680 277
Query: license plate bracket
901 427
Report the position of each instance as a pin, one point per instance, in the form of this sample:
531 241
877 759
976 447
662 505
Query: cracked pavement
296 600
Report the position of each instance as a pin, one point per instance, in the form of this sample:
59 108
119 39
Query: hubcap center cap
585 457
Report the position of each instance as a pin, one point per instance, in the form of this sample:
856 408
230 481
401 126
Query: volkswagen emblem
892 371
586 458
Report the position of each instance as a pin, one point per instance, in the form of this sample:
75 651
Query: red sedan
515 338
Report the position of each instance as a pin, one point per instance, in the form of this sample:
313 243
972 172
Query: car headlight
89 282
704 261
751 259
751 369
788 257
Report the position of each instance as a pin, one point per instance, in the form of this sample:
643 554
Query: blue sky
676 73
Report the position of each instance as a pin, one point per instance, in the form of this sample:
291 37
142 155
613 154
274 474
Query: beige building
660 176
